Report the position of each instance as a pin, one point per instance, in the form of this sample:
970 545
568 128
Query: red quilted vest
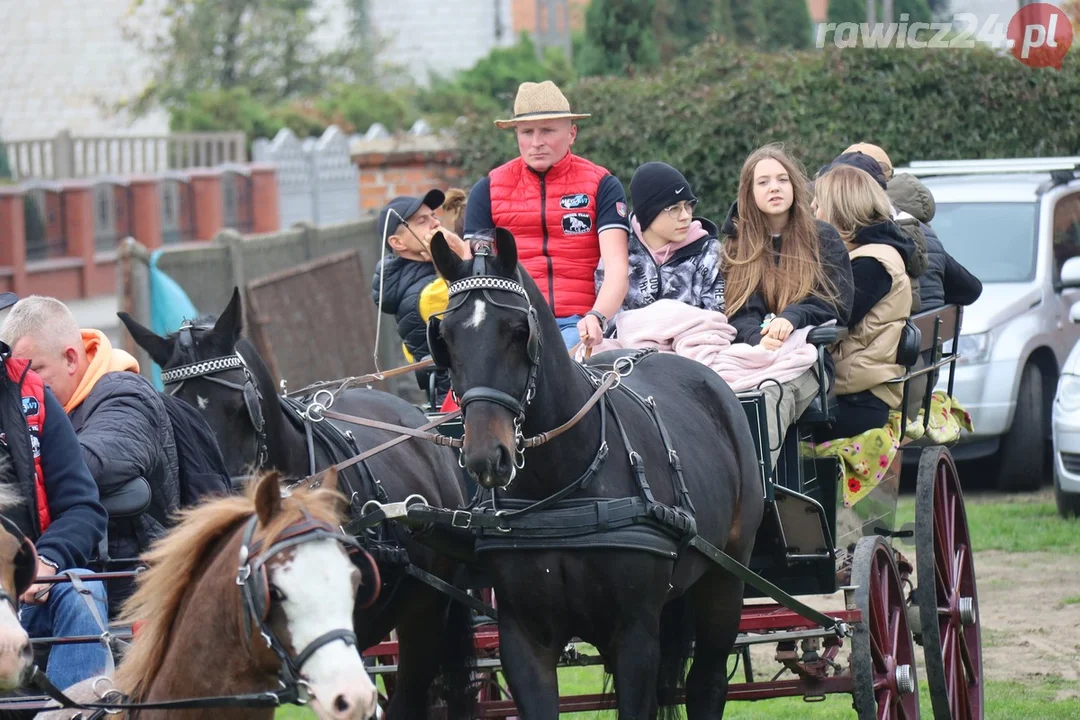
553 219
32 391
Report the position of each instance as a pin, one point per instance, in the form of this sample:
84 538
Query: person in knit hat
673 254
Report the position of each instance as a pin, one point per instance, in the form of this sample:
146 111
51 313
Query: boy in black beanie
673 254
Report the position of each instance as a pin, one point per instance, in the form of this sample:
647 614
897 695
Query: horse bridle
255 587
208 370
486 284
25 564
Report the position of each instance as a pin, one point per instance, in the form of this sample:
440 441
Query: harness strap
344 634
88 599
677 480
346 383
637 464
610 380
748 576
454 592
270 698
421 432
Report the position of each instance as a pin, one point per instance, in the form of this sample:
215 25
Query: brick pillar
266 216
77 200
146 211
13 236
209 203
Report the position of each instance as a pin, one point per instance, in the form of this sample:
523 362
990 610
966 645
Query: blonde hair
747 262
453 210
43 318
850 200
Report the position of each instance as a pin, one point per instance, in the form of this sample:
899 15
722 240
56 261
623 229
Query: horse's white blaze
319 598
14 642
203 402
477 317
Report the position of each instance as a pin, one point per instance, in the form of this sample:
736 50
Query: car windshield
995 241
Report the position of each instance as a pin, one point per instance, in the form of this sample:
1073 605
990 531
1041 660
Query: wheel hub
905 680
966 608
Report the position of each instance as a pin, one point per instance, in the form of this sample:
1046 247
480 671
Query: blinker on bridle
485 283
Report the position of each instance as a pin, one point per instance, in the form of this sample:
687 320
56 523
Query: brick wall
410 166
524 15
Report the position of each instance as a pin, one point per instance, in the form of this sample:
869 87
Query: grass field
1015 525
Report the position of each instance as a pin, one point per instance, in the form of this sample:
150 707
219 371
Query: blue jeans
65 614
568 327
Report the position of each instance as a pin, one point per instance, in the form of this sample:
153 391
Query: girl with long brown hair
855 204
783 271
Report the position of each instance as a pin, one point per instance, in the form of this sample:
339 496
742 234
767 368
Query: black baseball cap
404 206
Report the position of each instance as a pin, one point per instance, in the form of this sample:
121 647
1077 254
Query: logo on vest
30 406
576 223
35 441
574 202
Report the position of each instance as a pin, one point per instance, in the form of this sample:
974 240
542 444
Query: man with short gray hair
121 421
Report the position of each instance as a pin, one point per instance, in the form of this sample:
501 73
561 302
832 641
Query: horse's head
490 339
18 566
304 592
268 578
212 369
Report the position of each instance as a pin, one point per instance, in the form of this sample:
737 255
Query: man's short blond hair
43 318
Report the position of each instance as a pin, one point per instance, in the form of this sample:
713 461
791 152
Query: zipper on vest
544 246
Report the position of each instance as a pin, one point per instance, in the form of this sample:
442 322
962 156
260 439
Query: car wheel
1068 504
1023 460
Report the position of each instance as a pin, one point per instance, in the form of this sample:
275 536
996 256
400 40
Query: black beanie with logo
656 186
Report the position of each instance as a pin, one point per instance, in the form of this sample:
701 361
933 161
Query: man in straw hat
565 212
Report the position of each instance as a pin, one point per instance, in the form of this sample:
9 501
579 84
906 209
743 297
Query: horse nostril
504 459
341 704
25 652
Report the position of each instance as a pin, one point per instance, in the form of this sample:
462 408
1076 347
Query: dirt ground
1028 630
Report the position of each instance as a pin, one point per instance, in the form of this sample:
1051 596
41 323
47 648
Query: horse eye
276 595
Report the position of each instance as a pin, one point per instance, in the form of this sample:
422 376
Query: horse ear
158 348
506 250
268 497
447 262
327 480
231 321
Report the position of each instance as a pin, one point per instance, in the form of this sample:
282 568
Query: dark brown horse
239 401
623 593
197 637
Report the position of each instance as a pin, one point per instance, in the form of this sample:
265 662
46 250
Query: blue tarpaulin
169 307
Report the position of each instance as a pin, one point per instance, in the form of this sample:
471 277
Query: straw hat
539 101
875 152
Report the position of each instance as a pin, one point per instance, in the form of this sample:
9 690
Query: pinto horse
253 428
514 380
211 628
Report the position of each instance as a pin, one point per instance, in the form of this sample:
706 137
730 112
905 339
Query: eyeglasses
676 210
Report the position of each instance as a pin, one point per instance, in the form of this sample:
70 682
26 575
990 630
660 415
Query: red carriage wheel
947 597
882 651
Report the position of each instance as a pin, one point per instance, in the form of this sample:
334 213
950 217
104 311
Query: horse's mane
176 560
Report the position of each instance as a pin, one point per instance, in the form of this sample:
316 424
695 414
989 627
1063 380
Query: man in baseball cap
405 283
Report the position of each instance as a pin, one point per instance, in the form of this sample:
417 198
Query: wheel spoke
884 703
894 632
965 657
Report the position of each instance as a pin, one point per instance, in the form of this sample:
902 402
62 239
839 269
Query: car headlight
974 349
1068 393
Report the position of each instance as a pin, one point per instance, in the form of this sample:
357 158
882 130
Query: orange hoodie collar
101 358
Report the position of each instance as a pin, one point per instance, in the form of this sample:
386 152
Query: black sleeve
872 283
961 287
78 519
611 205
120 441
813 310
478 217
747 320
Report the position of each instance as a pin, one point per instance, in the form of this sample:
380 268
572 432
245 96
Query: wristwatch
599 316
46 561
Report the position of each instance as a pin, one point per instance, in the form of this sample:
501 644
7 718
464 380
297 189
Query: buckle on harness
463 526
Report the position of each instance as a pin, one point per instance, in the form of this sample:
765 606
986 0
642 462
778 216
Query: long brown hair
747 262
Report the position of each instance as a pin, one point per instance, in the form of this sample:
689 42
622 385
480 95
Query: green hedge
708 110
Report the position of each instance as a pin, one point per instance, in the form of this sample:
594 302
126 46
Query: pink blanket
706 336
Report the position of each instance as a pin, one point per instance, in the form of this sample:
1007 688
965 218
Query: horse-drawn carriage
439 556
